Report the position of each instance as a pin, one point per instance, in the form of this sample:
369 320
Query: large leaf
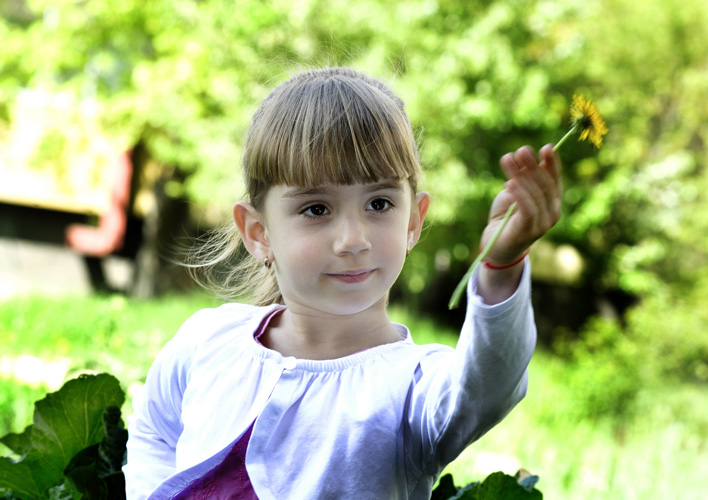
500 486
65 422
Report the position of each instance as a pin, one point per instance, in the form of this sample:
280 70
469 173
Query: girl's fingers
522 170
509 166
529 199
525 157
535 184
533 217
533 179
552 162
541 180
524 162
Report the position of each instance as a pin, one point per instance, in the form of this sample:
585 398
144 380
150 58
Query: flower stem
455 299
570 132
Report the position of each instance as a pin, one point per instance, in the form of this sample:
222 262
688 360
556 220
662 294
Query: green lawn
659 451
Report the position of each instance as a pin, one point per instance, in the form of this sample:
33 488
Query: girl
312 392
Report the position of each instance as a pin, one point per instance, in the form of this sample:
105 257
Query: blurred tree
480 78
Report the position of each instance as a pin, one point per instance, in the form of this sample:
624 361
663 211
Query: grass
659 451
48 340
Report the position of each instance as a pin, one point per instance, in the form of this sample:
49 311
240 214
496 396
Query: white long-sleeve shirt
378 424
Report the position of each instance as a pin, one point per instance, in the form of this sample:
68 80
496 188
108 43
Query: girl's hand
536 188
535 184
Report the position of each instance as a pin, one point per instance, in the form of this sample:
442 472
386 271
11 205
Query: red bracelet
494 266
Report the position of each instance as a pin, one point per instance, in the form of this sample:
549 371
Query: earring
266 263
408 250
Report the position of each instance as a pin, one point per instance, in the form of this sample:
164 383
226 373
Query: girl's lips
353 276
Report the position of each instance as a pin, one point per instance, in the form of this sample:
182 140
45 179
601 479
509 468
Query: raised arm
460 396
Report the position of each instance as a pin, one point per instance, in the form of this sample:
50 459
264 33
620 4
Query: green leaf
112 449
95 472
500 486
20 444
82 475
65 422
445 489
464 491
17 478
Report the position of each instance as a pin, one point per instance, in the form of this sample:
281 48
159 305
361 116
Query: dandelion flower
586 120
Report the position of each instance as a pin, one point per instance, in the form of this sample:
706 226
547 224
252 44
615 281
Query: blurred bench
93 226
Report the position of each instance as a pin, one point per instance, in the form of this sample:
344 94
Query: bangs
333 126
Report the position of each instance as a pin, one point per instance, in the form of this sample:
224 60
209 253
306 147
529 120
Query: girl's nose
351 236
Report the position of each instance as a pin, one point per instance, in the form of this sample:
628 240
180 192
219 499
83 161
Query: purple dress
227 481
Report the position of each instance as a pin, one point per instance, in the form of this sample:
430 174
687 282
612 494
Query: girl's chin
345 306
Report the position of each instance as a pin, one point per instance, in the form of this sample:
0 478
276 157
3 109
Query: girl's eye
379 205
315 211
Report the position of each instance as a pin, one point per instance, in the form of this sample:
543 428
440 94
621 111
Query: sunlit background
121 127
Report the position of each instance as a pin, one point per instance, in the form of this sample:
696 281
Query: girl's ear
421 203
253 231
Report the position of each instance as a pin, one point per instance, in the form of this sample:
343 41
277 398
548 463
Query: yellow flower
587 120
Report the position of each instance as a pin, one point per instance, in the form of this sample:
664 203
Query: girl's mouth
357 276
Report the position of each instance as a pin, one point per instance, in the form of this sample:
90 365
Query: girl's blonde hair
327 126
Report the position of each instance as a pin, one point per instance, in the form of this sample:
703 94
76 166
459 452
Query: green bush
74 449
604 372
671 334
661 341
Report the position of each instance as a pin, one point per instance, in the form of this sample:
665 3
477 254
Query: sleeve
156 425
459 396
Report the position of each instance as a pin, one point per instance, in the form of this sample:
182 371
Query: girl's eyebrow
395 185
304 191
320 190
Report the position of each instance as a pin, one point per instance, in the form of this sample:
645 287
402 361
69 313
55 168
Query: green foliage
101 333
76 334
659 341
668 331
479 79
604 368
52 451
496 486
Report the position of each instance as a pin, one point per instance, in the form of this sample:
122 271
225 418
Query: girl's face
338 249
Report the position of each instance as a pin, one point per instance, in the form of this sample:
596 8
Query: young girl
312 392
